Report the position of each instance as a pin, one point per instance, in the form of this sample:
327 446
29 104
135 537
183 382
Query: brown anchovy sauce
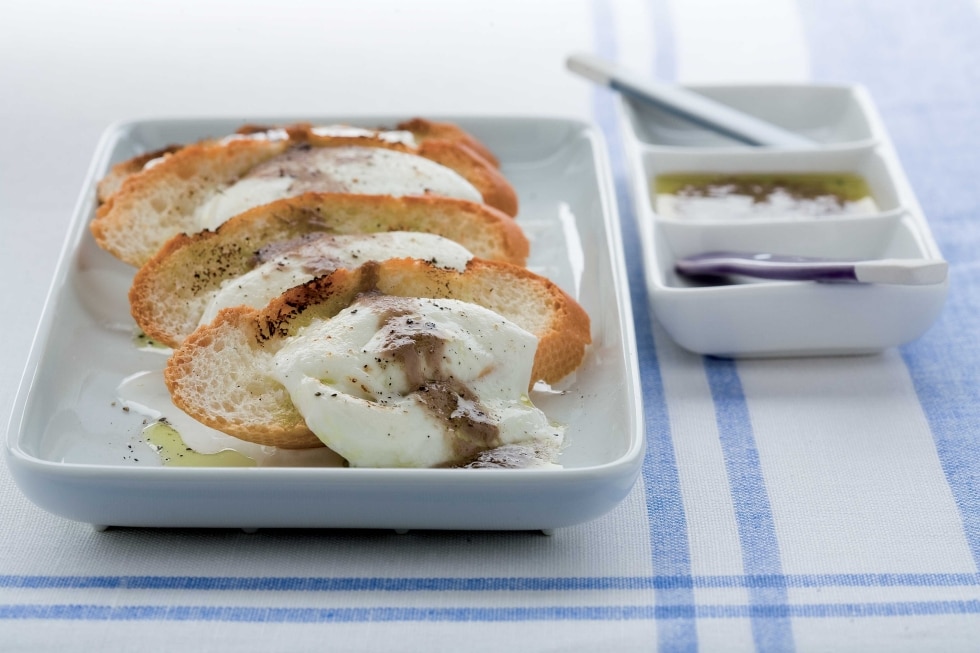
299 164
305 249
509 456
417 346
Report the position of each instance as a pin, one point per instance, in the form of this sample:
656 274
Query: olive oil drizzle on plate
166 441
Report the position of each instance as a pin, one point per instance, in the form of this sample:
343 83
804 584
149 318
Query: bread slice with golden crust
170 292
421 129
222 374
159 201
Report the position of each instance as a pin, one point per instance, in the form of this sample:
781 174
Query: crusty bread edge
486 178
112 182
424 129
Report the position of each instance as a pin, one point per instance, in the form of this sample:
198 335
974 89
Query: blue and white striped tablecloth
826 504
832 504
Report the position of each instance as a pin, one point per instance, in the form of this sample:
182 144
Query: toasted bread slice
160 201
221 375
421 130
170 292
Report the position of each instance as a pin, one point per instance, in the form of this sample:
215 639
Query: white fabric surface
814 505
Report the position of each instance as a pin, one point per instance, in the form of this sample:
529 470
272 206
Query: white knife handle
686 104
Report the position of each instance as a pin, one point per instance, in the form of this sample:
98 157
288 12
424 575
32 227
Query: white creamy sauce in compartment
779 205
285 265
353 169
410 382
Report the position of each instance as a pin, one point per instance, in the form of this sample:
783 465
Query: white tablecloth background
812 505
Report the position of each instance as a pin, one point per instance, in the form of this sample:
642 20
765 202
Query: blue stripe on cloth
757 534
670 548
665 53
921 62
753 516
250 614
495 584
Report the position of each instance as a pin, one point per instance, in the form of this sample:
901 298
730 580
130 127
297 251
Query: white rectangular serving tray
782 318
75 452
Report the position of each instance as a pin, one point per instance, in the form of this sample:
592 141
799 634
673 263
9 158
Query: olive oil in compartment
732 197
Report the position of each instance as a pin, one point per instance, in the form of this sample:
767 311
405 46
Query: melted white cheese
274 134
360 170
346 131
364 403
308 259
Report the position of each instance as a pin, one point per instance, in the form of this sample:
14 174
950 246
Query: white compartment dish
782 318
834 116
75 452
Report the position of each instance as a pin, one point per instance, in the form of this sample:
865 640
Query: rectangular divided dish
782 318
76 452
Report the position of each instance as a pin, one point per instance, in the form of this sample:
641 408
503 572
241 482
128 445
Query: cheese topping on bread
271 134
346 131
351 169
412 382
284 265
